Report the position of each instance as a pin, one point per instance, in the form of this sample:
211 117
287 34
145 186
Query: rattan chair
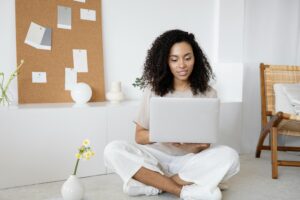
277 123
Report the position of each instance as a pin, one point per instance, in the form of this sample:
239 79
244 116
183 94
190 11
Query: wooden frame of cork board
84 34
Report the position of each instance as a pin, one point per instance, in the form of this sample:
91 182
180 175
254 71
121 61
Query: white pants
207 168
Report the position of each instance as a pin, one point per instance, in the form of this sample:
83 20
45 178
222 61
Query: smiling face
181 62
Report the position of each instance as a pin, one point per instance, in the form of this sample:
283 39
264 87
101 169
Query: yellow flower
84 151
81 149
88 155
78 155
85 142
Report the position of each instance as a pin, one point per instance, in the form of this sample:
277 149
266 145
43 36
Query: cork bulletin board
83 34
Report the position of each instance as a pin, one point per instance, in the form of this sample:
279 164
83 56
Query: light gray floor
253 182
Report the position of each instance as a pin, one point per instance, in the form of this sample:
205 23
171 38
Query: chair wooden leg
263 134
275 120
274 153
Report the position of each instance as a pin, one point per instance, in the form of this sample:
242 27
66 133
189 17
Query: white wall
8 41
271 36
228 65
129 28
231 30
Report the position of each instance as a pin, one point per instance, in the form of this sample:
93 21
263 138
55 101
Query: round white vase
81 93
72 189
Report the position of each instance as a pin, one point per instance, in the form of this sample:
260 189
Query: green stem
75 170
13 75
8 83
4 97
1 87
2 78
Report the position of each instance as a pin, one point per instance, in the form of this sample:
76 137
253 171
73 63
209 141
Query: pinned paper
38 36
46 40
39 77
86 14
64 17
80 60
34 35
81 1
70 78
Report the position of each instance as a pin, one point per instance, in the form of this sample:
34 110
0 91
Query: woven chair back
278 74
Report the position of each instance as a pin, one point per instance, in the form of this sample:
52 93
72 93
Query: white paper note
64 17
34 35
80 60
86 14
81 1
46 40
70 78
38 36
39 77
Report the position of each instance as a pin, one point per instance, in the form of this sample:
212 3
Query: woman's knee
227 154
231 156
230 152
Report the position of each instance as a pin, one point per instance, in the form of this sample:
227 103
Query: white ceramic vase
115 95
81 93
72 189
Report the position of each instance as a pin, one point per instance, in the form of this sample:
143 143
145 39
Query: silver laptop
184 120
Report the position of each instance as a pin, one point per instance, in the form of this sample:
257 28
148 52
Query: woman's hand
141 135
192 147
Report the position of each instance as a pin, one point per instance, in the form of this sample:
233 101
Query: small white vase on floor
115 95
72 189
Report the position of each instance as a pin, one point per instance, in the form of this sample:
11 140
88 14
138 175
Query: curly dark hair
157 73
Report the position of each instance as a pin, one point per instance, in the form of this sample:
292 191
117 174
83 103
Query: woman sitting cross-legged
175 67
